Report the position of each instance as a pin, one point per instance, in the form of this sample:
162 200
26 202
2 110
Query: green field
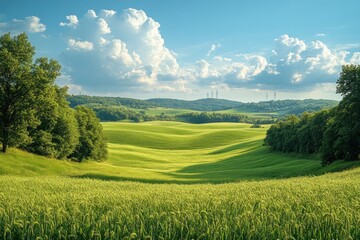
175 152
322 207
208 181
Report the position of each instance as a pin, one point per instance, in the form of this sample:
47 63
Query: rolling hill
170 170
176 152
280 107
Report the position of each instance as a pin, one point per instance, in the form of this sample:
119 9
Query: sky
245 50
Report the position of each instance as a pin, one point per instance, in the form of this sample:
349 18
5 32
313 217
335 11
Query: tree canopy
332 133
34 112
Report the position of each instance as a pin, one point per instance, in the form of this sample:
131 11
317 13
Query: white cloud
80 45
30 24
34 25
294 65
108 13
297 77
91 14
125 52
133 56
320 35
355 59
103 26
72 21
213 48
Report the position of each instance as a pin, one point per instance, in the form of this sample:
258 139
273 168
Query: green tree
343 135
57 135
92 143
22 82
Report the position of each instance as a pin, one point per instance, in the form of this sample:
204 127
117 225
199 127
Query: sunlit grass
175 152
322 207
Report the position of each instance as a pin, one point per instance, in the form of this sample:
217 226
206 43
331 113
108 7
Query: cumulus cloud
72 21
114 53
293 65
297 65
355 59
30 24
80 45
133 56
108 13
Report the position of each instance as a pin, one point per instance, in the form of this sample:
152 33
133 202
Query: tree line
333 133
34 112
118 113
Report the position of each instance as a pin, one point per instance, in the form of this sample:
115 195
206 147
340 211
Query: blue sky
184 49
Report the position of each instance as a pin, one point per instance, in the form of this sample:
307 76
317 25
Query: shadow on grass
140 180
255 163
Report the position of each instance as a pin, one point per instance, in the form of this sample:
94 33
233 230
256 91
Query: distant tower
212 93
274 96
207 95
267 96
217 93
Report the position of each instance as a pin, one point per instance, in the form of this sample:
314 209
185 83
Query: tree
22 82
57 134
92 143
347 145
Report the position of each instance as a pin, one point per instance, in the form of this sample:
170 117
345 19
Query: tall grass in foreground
323 207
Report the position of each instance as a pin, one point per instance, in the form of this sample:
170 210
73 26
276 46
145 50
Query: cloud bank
112 53
30 24
293 65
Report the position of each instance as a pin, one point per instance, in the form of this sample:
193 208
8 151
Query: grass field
43 198
321 207
175 152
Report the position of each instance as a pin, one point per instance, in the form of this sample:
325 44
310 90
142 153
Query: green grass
321 207
178 153
256 196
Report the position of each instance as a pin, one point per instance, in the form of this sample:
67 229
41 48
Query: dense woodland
283 107
34 112
332 133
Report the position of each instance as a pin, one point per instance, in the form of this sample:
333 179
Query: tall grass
323 207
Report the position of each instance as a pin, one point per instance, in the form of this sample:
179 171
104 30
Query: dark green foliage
210 117
334 134
206 104
92 143
57 135
282 107
22 83
34 113
342 138
288 107
76 100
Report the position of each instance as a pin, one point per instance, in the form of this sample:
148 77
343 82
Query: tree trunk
5 141
4 147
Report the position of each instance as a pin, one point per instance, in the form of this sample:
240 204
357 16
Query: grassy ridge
322 207
175 152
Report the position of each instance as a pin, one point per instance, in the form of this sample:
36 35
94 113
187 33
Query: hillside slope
175 152
282 107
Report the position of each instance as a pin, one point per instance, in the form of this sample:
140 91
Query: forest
333 133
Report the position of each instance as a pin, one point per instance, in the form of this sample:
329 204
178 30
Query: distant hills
281 107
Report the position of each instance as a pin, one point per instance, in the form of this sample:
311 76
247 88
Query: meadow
173 152
321 207
170 180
